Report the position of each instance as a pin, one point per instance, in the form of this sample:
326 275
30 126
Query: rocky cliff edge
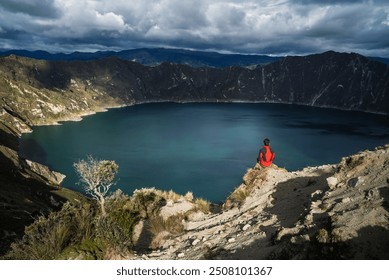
325 212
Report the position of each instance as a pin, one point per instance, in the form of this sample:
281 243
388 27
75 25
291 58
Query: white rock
309 218
317 192
170 203
195 242
181 255
231 240
246 227
332 181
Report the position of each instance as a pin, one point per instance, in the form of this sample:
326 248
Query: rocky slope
37 92
325 212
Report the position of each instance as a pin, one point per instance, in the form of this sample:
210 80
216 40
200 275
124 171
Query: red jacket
266 156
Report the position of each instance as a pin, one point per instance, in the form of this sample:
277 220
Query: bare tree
97 177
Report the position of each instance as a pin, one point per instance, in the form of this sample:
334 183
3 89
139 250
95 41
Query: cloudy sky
275 27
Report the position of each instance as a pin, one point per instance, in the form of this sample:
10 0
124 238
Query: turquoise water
203 148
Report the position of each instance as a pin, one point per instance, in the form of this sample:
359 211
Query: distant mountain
156 56
380 59
152 57
194 58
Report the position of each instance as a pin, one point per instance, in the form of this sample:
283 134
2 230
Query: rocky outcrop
296 215
55 178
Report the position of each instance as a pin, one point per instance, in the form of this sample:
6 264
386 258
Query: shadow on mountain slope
35 151
52 76
22 200
384 192
292 198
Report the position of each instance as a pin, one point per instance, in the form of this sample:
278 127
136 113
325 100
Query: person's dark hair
266 142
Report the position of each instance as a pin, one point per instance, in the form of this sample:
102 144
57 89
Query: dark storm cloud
272 27
36 8
354 27
327 2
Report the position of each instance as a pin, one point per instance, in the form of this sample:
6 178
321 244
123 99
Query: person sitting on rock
266 154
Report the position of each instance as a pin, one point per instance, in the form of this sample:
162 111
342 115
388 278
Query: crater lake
205 148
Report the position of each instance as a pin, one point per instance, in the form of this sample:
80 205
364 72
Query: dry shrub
255 176
201 205
323 236
250 176
46 238
147 202
251 180
116 228
78 231
188 196
171 195
156 225
240 195
172 224
86 250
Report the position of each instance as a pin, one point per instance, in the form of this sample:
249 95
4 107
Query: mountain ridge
343 81
155 56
